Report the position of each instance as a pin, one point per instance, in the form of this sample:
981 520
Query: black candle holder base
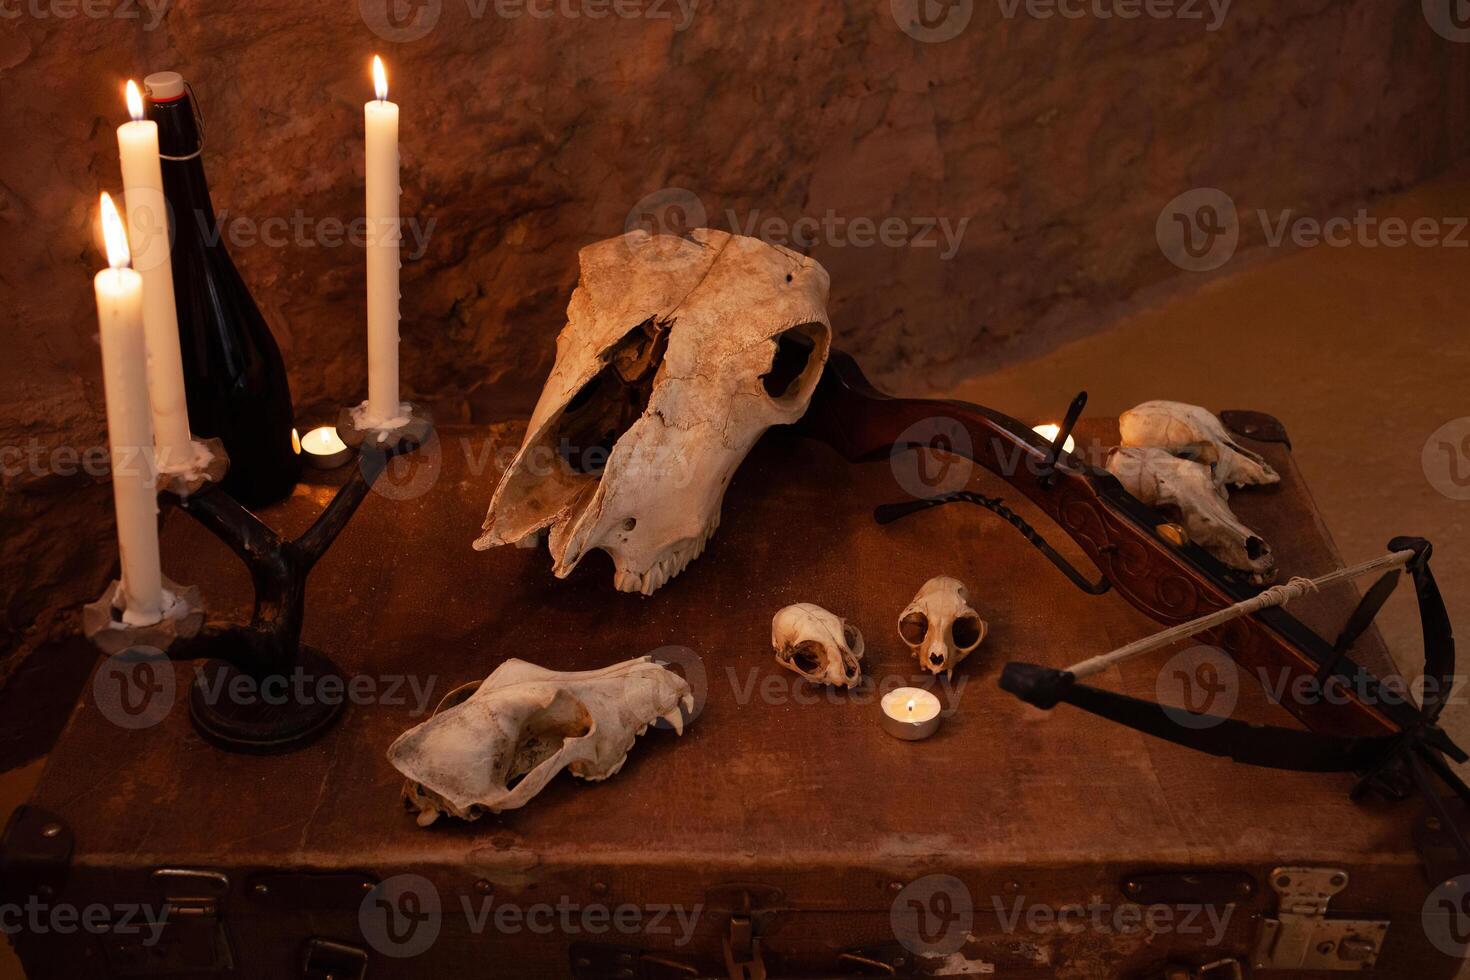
237 712
261 690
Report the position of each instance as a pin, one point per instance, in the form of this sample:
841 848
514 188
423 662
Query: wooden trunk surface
774 783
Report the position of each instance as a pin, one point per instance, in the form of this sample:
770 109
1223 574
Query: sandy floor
1361 352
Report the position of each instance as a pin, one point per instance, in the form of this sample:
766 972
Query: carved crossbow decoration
1371 731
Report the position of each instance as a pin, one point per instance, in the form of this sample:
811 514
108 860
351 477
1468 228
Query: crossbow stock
1368 730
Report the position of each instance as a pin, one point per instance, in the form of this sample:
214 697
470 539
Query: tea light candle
1049 432
910 713
322 448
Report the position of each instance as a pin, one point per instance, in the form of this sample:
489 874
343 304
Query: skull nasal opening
608 405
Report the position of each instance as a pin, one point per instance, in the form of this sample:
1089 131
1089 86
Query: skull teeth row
678 559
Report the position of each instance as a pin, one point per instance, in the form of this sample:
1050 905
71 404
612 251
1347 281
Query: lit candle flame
114 235
1049 433
380 79
911 705
296 442
135 101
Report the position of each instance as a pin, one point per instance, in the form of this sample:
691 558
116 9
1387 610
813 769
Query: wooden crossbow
1376 733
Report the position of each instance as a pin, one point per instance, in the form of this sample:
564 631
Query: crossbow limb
1141 556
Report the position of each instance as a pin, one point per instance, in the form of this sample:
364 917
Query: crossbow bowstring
1413 751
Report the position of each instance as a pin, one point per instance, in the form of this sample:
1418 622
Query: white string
1277 595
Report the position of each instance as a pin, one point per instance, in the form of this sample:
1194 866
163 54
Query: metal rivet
51 830
1012 887
261 890
599 888
484 887
895 886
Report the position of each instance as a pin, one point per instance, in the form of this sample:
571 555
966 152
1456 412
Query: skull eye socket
607 406
913 627
851 636
807 657
792 368
966 631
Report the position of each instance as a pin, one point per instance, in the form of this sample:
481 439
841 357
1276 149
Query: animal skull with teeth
1188 430
677 355
940 627
822 647
494 746
1191 491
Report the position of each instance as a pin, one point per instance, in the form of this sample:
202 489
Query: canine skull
940 627
1188 430
496 748
677 354
1191 491
819 646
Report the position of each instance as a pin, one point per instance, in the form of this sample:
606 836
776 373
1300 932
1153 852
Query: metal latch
742 946
192 939
327 959
750 905
1301 937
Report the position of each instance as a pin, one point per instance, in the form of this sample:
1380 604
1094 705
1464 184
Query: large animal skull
822 647
1190 430
677 354
1191 491
497 748
940 627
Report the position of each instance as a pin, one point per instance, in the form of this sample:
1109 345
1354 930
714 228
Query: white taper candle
148 228
383 237
129 425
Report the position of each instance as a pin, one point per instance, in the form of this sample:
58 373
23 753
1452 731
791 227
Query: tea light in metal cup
910 713
323 448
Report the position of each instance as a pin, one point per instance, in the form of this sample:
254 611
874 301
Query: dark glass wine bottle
234 378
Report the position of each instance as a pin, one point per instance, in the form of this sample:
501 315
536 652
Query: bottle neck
180 143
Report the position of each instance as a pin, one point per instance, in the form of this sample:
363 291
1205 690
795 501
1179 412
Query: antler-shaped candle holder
261 690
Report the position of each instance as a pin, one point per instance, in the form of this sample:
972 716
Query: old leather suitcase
784 834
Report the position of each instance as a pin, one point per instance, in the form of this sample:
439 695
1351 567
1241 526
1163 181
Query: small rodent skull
822 647
1196 433
940 626
1198 497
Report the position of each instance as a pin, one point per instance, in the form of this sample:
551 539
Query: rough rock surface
525 137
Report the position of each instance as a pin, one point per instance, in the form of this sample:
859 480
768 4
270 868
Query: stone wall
967 172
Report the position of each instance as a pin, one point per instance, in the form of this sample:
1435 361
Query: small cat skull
940 627
1188 430
818 645
497 747
1192 491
